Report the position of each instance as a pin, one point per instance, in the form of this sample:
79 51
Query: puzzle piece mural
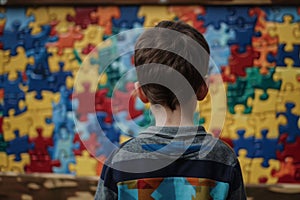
256 49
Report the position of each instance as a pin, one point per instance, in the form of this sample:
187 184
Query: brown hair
159 94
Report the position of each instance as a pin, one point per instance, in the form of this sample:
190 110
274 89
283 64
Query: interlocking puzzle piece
266 148
288 171
243 36
17 15
10 39
241 121
105 54
82 17
289 149
129 18
245 164
19 145
287 32
189 14
268 82
85 100
67 40
63 144
64 164
263 106
58 16
277 13
262 26
288 95
264 49
13 93
60 78
17 63
93 35
67 59
85 165
219 36
155 14
41 163
92 144
82 147
18 165
240 15
282 55
291 127
239 93
12 123
31 41
290 76
244 143
41 18
3 144
4 58
104 16
215 16
41 143
260 174
238 62
3 161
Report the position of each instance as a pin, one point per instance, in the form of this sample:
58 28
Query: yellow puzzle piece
58 15
92 35
155 14
85 165
41 17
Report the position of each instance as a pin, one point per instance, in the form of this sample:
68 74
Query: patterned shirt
172 163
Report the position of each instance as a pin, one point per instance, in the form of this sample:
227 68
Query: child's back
174 159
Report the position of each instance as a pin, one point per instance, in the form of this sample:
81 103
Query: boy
173 159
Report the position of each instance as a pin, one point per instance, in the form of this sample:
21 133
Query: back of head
168 47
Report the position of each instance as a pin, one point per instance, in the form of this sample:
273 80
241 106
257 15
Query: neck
164 116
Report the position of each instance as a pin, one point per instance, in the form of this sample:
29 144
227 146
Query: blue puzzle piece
219 36
291 128
276 14
63 144
128 17
215 16
13 94
244 143
60 78
11 39
282 54
244 34
219 57
240 15
64 164
266 148
19 145
38 40
17 15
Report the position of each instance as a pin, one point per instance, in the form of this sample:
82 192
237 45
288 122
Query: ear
202 92
140 92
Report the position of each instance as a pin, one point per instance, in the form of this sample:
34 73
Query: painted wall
46 108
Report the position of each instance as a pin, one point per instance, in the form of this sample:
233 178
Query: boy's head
180 47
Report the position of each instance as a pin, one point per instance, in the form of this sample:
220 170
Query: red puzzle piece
189 14
41 163
84 99
104 15
289 171
104 104
78 151
82 17
66 40
92 144
238 62
41 144
289 149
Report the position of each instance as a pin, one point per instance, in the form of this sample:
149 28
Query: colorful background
42 49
